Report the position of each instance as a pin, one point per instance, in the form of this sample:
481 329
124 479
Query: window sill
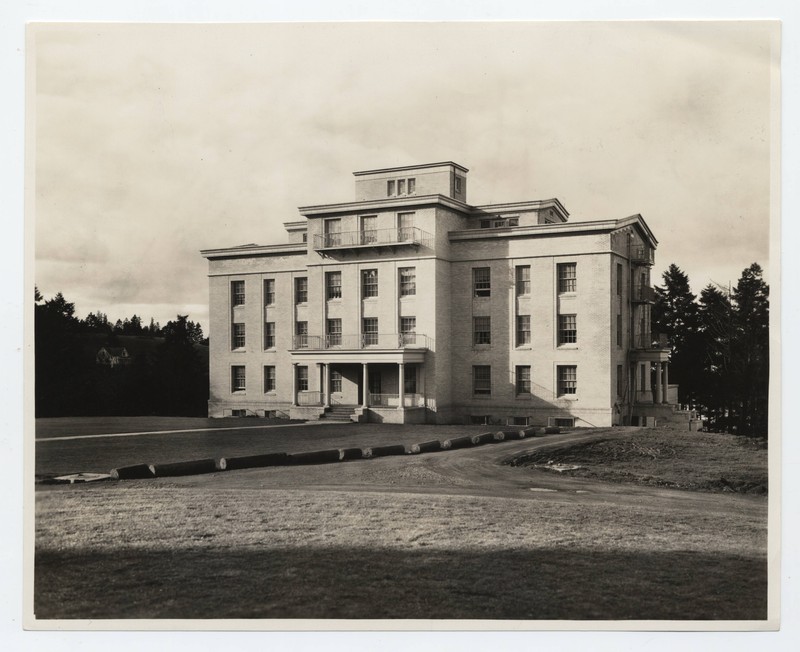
571 347
239 392
523 347
567 397
482 397
241 349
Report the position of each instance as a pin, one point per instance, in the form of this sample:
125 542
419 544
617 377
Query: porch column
294 384
657 391
421 381
666 380
364 384
326 382
401 381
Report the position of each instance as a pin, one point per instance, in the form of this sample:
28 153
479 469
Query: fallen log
316 457
132 472
458 442
192 467
552 430
351 453
383 451
510 435
485 438
255 461
432 446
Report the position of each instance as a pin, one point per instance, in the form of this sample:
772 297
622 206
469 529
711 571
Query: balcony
363 341
642 256
651 341
409 236
643 294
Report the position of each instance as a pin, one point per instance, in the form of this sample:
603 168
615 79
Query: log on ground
432 446
510 435
132 472
256 461
383 451
192 467
458 442
351 453
485 438
316 457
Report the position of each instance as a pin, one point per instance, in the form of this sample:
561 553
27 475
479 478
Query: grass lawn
457 534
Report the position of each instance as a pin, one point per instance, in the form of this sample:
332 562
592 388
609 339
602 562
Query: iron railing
407 235
363 341
650 341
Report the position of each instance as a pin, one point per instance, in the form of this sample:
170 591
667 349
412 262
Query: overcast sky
153 142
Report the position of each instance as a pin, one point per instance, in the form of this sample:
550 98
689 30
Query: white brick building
411 305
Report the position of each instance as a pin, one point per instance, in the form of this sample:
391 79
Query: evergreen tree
716 337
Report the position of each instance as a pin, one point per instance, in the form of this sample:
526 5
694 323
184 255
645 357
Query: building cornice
539 230
638 220
389 202
248 251
403 168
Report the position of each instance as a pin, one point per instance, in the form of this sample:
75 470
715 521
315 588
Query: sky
153 142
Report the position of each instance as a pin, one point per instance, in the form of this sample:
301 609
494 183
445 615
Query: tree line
168 377
720 347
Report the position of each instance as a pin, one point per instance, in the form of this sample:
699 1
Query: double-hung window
482 380
269 378
567 380
567 277
333 285
370 330
408 281
405 227
238 336
481 282
523 379
301 289
567 329
269 291
237 293
333 232
481 330
408 330
301 335
369 283
269 335
523 330
334 332
336 381
302 379
238 378
523 280
369 233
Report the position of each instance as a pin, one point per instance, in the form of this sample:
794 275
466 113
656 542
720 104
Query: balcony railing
407 235
393 400
363 341
309 398
642 255
650 341
643 294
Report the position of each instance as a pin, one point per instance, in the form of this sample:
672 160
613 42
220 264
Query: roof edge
410 167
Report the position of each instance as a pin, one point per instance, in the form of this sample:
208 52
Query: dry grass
666 458
145 551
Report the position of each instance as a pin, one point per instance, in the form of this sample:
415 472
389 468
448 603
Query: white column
326 382
421 382
665 367
657 390
401 380
364 384
294 384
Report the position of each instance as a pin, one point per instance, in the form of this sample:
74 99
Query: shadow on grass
367 583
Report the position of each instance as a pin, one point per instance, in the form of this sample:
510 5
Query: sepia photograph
412 325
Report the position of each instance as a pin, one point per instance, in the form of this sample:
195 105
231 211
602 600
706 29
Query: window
305 237
405 226
334 332
302 379
408 281
333 232
481 282
498 223
401 186
269 379
369 328
486 224
567 380
513 221
482 380
389 188
301 335
301 290
336 381
567 329
408 330
238 336
238 379
369 234
481 330
620 384
564 422
369 283
237 293
480 419
523 280
566 277
269 291
523 379
619 278
412 186
520 421
458 184
619 330
269 335
333 285
523 330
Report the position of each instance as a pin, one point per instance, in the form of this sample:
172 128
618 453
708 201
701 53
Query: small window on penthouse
401 186
412 186
389 188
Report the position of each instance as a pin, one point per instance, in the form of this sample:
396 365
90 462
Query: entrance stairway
666 414
339 413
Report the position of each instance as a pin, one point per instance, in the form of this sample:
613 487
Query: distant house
113 356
